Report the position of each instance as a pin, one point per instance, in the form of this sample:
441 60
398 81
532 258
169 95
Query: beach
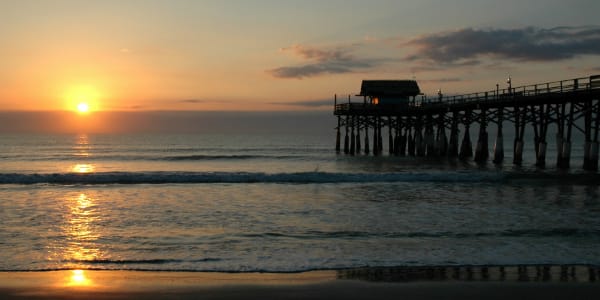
90 284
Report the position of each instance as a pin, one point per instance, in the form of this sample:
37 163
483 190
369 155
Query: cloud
307 103
524 44
322 61
201 101
441 80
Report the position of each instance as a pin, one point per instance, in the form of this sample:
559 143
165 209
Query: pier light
509 82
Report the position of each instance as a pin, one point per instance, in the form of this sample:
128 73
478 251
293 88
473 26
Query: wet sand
368 283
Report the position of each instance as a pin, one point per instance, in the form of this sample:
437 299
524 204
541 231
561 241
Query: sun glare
78 278
83 99
83 107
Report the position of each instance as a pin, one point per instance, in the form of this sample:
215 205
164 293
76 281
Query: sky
225 55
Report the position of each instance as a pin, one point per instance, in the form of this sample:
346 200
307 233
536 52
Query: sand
349 284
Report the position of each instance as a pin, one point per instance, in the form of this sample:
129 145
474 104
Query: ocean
280 203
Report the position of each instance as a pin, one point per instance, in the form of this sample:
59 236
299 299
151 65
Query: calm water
279 203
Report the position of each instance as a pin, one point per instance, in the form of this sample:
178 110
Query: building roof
390 88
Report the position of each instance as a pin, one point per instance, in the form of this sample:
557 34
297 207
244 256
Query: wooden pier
423 126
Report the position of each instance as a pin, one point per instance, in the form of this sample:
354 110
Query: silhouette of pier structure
424 126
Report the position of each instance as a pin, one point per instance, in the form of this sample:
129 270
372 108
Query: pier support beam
429 138
481 151
466 147
588 160
419 142
390 137
346 141
542 145
499 144
367 150
411 143
441 140
352 138
594 146
403 140
338 136
397 138
453 144
565 162
520 122
375 135
560 133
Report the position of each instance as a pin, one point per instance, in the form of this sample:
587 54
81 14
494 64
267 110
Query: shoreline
468 282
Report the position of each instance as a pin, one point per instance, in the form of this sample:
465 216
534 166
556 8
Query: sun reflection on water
80 233
83 168
82 146
78 278
82 149
80 229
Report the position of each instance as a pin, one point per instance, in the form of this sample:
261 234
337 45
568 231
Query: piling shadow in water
491 273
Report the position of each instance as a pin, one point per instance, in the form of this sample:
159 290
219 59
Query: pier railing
541 89
591 83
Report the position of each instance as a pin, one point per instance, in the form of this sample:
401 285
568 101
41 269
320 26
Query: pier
417 125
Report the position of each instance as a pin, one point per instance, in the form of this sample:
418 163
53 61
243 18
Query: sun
82 99
83 107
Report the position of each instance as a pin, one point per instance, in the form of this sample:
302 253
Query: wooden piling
519 131
481 151
390 137
352 138
358 145
542 144
367 150
346 141
466 147
337 136
499 144
453 144
375 135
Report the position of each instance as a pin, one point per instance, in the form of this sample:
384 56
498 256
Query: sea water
280 203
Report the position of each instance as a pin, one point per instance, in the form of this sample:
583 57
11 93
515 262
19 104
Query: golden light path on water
79 222
78 278
81 150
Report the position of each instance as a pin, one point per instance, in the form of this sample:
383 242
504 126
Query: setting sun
83 98
83 107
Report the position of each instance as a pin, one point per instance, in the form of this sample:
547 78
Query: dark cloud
307 103
525 44
321 61
441 80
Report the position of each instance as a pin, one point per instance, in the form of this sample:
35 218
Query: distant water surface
279 203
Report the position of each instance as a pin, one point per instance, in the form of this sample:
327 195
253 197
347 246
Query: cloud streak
307 103
525 44
321 61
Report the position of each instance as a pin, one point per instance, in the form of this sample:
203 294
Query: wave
243 177
550 232
138 261
299 177
223 157
149 157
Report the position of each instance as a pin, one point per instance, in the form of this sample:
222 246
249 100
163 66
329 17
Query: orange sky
278 55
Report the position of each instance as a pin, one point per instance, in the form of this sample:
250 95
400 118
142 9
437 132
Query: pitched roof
398 88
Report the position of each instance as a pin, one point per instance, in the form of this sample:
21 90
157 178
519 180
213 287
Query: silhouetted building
389 91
